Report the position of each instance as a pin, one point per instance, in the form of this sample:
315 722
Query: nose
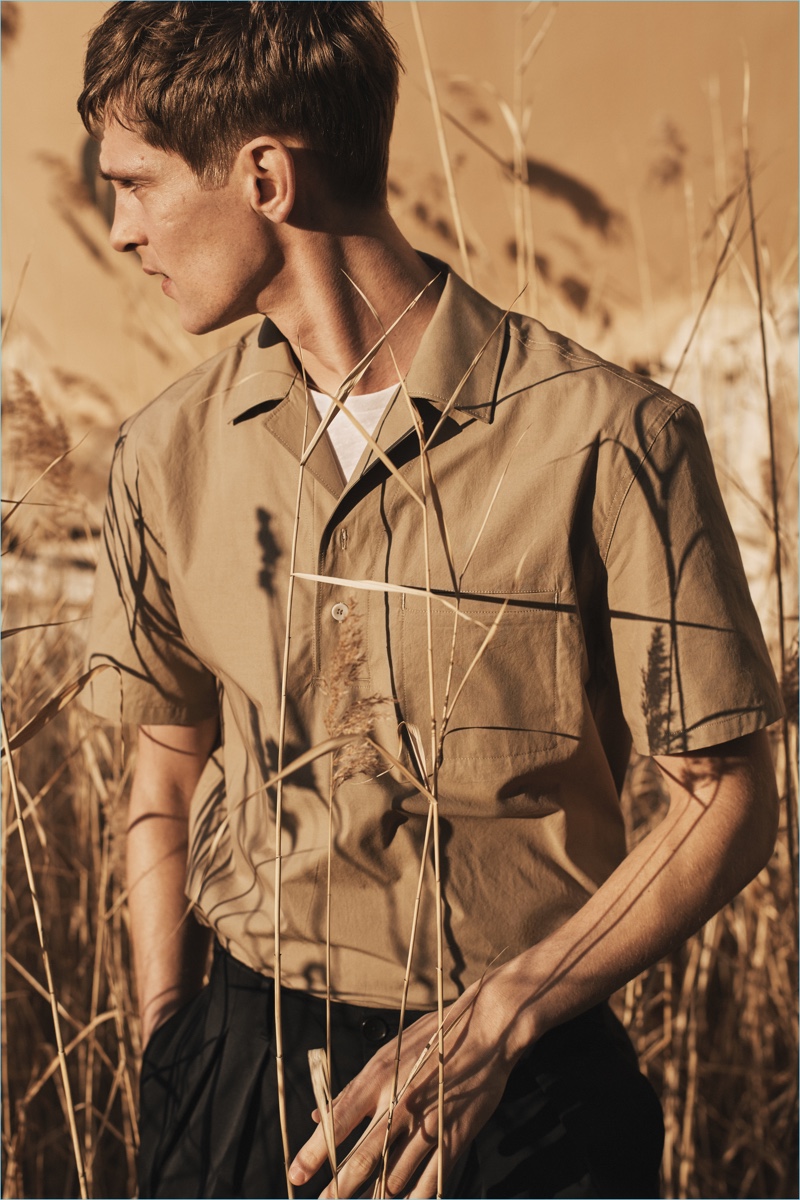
126 232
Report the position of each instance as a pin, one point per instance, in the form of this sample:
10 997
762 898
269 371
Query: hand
478 1059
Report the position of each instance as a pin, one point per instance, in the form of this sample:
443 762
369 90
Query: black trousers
577 1118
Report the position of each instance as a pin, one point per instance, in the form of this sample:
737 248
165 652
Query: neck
316 303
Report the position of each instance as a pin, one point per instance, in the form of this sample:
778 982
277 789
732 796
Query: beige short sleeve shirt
587 590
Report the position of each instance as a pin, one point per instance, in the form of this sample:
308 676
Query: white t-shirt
348 444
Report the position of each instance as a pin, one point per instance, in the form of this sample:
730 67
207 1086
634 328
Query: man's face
215 252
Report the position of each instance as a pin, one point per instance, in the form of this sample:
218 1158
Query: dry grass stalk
279 825
65 788
13 307
517 117
442 140
432 779
427 489
344 741
437 851
328 968
353 719
12 779
375 585
426 484
716 276
773 476
382 1189
53 707
428 492
715 1026
36 454
526 248
318 1065
4 1065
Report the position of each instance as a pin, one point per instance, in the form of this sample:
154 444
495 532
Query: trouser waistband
376 1025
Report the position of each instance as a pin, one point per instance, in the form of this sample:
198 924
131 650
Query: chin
206 323
198 325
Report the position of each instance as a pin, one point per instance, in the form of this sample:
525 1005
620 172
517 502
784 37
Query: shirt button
339 612
374 1029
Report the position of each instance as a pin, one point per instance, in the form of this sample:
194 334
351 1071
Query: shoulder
627 437
593 395
164 452
194 404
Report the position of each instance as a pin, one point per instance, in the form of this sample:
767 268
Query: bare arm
718 833
169 946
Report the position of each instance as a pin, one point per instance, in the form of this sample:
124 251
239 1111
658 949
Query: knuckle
362 1162
396 1181
426 1184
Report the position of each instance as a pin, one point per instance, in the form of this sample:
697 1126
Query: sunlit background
590 170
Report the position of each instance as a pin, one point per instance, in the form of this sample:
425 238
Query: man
550 572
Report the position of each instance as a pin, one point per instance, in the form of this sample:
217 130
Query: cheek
250 256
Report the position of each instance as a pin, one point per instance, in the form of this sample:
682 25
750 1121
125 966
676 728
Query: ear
269 174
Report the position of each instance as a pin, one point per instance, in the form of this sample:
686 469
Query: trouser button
374 1029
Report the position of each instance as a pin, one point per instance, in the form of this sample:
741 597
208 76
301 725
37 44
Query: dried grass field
715 1023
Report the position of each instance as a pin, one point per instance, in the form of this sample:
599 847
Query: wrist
536 993
516 999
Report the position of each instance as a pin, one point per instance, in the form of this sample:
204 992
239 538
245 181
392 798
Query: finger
427 1184
313 1154
406 1166
358 1170
348 1110
410 1159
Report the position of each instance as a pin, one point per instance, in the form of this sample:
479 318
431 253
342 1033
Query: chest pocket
498 700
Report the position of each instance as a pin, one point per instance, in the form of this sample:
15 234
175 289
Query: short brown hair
201 79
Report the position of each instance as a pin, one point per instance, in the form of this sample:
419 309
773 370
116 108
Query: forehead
124 154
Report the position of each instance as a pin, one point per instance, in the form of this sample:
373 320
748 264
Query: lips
165 279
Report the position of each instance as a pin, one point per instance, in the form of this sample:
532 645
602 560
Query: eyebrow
120 176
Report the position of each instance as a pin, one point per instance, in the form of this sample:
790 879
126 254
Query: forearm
718 833
169 946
